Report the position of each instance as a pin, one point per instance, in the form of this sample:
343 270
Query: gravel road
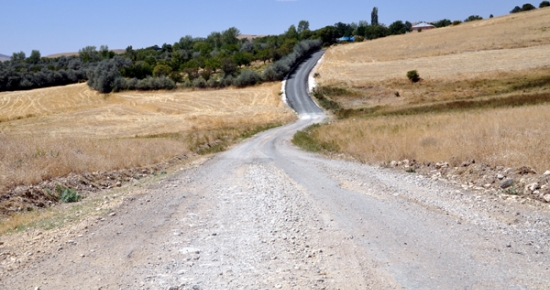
265 215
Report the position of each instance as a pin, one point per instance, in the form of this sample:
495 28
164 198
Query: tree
34 58
344 29
361 26
376 31
130 53
442 23
177 59
398 27
516 9
303 26
215 39
242 58
544 4
291 32
229 36
228 66
186 42
374 16
409 26
105 53
162 70
264 54
473 18
18 56
88 54
527 7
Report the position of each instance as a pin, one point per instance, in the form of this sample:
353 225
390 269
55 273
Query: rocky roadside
43 195
523 184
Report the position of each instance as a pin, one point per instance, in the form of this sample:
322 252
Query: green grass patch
307 140
255 130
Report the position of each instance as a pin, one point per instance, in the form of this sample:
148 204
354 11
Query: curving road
265 215
297 86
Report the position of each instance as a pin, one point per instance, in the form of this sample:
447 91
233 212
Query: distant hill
249 36
117 51
4 57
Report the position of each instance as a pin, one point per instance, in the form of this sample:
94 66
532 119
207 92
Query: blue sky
56 26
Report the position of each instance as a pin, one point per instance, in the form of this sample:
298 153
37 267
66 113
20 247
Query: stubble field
483 94
53 132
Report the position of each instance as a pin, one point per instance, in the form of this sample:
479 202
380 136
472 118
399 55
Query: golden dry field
52 132
511 137
474 77
512 42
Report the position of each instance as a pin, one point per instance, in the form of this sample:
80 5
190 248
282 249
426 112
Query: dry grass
465 65
522 30
513 42
510 137
52 132
474 76
76 111
395 94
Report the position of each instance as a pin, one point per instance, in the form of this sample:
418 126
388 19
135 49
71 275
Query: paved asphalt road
297 86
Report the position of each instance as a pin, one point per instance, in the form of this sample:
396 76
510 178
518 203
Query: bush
102 77
213 83
161 70
226 81
247 78
199 82
413 76
473 18
278 70
527 7
67 195
544 4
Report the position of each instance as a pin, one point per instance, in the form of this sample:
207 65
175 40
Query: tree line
219 60
529 7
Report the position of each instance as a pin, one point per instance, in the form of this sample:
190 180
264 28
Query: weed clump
67 195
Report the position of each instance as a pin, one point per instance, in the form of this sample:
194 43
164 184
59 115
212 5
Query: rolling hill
4 57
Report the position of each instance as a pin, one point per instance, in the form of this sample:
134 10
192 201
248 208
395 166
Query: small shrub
512 191
213 83
226 81
544 4
199 82
413 76
67 195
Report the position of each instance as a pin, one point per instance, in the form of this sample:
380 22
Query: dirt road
265 215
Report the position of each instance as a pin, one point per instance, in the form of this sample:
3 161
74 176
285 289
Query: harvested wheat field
483 95
72 131
513 42
77 111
